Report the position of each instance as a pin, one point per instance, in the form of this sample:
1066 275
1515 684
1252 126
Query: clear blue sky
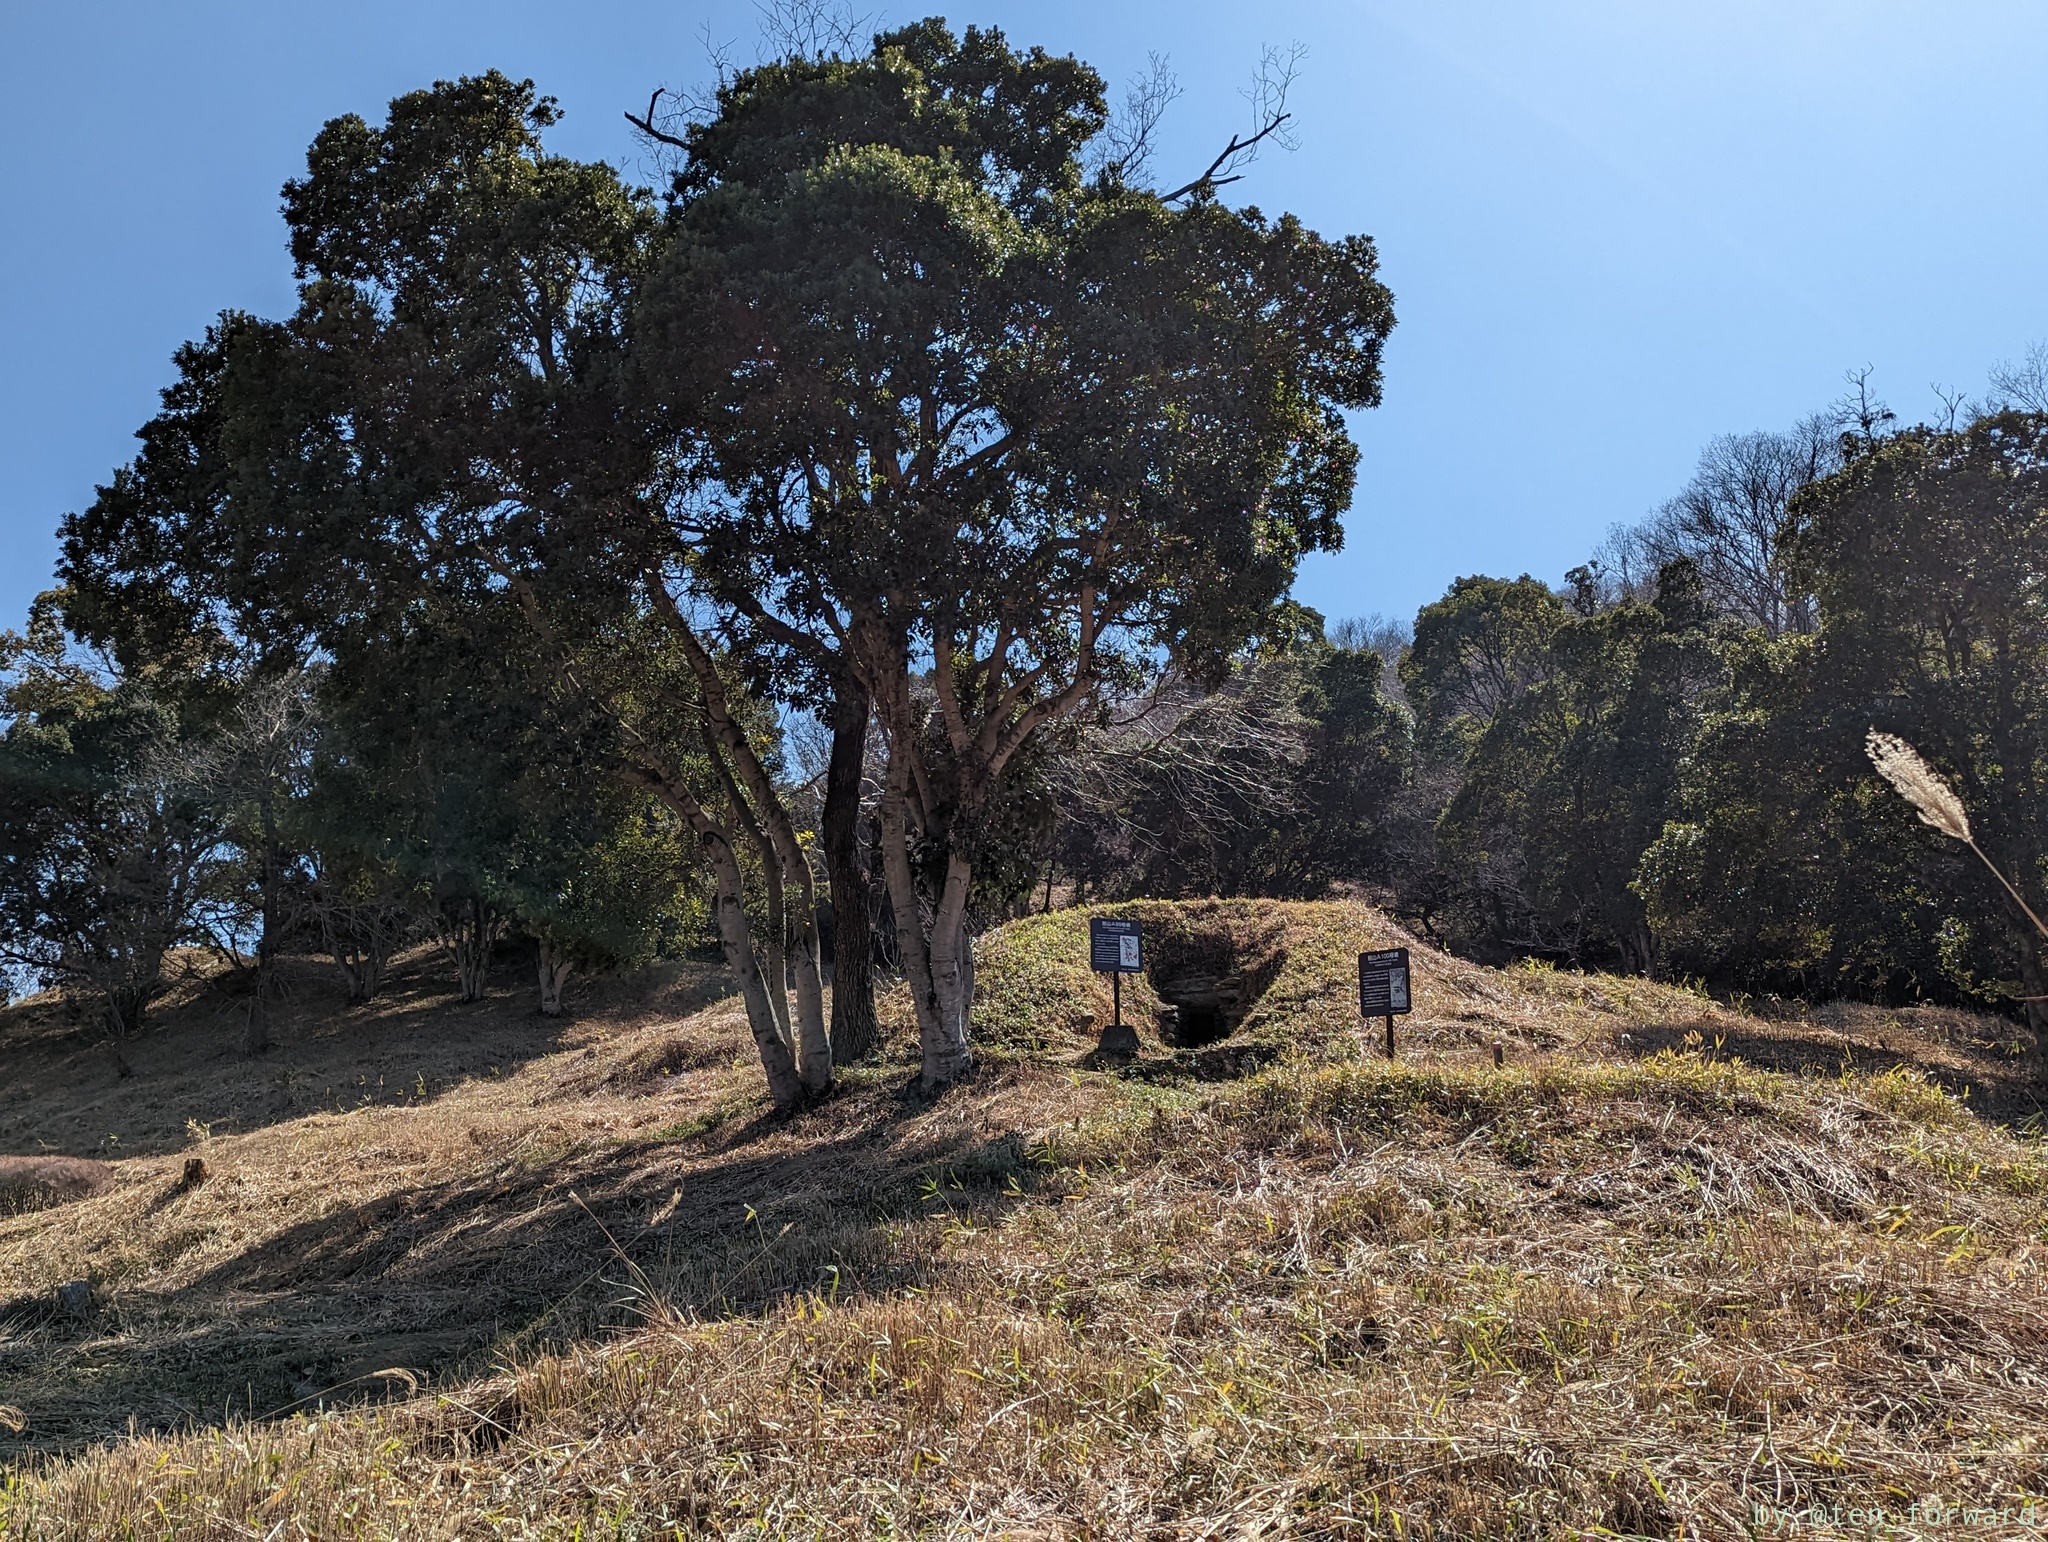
1613 229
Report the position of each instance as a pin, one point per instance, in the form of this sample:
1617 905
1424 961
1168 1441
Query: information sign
1383 987
1115 946
1383 982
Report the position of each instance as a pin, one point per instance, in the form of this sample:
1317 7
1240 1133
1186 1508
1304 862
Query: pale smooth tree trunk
773 961
796 1064
813 1041
792 941
939 966
554 978
790 946
778 1062
735 939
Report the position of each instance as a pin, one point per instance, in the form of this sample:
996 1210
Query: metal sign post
1116 947
1383 987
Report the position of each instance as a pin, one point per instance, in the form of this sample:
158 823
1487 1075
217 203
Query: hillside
462 1271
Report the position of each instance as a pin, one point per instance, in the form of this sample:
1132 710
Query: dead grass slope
1625 1282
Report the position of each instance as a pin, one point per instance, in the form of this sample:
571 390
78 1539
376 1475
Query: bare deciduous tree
1208 755
1388 636
1728 520
1267 95
2022 386
1125 151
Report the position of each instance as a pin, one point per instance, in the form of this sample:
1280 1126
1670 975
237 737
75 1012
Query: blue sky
1613 230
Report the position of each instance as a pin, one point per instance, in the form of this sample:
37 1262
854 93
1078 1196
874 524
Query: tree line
889 527
1658 766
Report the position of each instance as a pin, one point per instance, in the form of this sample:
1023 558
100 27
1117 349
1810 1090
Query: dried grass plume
1917 782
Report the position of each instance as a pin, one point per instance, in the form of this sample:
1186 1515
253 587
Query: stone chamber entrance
1208 973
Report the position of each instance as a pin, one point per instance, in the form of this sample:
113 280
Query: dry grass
1625 1284
38 1182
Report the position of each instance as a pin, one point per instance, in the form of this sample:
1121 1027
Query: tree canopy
965 413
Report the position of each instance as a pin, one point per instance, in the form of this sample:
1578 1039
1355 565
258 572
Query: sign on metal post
1116 947
1383 987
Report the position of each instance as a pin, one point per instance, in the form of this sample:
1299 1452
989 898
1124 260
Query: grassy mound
1035 992
1037 999
1671 1268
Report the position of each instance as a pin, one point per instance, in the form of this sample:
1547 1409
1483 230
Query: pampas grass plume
1916 781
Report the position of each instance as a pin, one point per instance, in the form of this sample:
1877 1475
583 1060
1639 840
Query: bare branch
1278 70
810 29
694 104
1861 407
645 124
1267 94
1954 405
1126 145
1211 755
2022 386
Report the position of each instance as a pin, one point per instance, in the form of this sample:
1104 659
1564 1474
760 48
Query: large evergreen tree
966 415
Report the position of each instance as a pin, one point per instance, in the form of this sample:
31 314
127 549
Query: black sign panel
1383 982
1115 946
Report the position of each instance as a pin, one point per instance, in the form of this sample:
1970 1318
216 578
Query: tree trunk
125 1006
946 1054
554 976
367 977
789 944
256 1032
940 966
814 1045
854 1029
774 939
361 949
469 932
777 1060
360 970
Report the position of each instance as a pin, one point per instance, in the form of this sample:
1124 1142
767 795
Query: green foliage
560 490
1477 650
1567 733
459 763
605 884
110 833
1791 865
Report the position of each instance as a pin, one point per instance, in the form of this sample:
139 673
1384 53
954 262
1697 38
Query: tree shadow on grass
409 1046
443 1278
